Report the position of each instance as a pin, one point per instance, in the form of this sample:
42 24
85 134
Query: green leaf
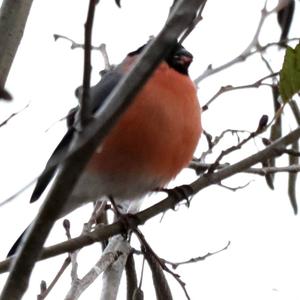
290 74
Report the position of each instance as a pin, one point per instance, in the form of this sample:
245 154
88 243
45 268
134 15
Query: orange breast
158 134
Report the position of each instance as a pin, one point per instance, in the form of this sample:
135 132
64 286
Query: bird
153 140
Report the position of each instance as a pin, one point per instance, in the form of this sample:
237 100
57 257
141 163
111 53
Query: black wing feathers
98 95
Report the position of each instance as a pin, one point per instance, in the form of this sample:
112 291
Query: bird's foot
178 193
129 221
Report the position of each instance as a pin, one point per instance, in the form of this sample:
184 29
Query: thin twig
147 248
101 48
212 143
19 192
46 291
175 265
261 127
13 115
234 189
248 50
80 285
87 66
228 88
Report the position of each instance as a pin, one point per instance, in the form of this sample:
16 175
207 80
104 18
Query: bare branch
234 189
101 48
292 178
20 191
228 88
212 143
80 285
5 95
13 18
104 232
45 291
74 44
245 54
295 109
197 19
13 115
280 5
196 259
160 282
84 112
157 265
261 127
131 277
85 144
200 167
112 274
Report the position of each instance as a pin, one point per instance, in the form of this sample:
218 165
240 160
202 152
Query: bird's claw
184 191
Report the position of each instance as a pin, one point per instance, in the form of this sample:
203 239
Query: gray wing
98 94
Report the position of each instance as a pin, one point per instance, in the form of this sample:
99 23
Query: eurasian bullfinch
149 145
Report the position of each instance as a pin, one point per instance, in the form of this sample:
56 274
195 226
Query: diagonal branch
86 142
102 233
13 18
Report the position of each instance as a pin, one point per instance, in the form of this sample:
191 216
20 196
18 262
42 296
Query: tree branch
175 265
228 88
246 53
112 275
80 285
101 48
13 115
13 17
87 66
104 232
85 143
